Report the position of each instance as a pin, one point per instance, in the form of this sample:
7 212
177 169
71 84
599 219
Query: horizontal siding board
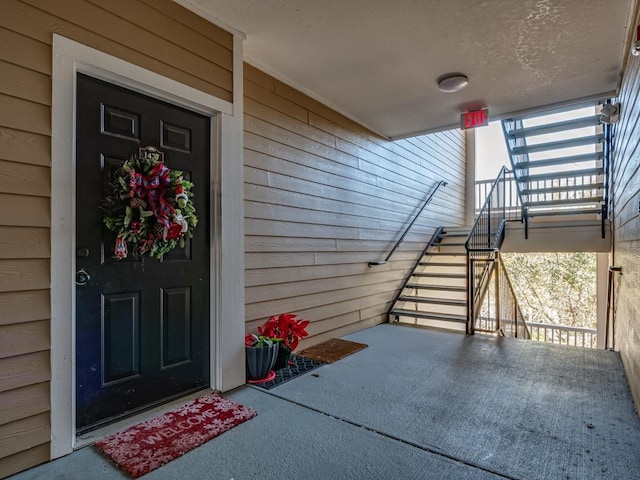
270 212
24 179
288 244
298 126
22 460
127 33
276 134
272 307
306 167
24 242
389 151
24 434
24 402
192 21
270 259
349 309
24 274
25 211
22 370
258 100
25 147
24 115
285 290
20 82
23 338
152 20
388 219
343 165
329 258
267 276
271 227
17 307
25 52
39 25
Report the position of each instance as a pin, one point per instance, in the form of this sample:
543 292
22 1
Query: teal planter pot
260 361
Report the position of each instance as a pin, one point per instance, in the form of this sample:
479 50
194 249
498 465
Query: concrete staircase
435 295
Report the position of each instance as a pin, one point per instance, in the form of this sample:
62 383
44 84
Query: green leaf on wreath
127 216
145 213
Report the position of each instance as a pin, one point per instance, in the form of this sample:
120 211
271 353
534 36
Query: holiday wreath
148 205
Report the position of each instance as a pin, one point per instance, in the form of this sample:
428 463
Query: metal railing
427 201
483 243
500 312
564 335
513 203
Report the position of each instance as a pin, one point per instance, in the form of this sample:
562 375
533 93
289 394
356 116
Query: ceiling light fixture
452 82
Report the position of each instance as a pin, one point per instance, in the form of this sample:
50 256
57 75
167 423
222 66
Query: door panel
142 325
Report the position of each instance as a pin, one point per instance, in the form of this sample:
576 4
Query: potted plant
261 352
289 330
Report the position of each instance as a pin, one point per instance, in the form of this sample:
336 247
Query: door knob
82 277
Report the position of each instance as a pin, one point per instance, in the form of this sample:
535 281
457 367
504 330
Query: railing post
489 222
470 294
497 291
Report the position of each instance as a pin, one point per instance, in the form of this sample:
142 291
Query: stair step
544 147
452 244
443 264
448 254
567 211
439 275
440 301
448 288
565 174
552 162
573 124
430 316
559 203
461 234
567 188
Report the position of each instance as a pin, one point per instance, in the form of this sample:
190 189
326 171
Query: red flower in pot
285 327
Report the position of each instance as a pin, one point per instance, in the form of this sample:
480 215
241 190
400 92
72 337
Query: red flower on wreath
285 327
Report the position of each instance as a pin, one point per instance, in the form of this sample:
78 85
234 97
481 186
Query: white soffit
377 61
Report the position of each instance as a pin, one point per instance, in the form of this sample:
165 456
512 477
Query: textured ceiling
377 61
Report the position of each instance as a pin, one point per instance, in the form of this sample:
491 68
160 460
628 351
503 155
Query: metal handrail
435 235
482 245
441 183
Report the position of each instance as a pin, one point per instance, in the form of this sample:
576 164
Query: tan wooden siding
626 222
158 35
324 196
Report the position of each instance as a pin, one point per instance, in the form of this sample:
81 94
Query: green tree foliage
558 288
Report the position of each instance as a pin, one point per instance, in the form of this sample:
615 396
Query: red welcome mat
149 445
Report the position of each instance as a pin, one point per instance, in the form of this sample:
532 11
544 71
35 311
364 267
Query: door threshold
93 436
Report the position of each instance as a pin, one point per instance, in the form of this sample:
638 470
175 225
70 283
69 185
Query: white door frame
226 215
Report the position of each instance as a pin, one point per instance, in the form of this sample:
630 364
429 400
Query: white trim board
227 258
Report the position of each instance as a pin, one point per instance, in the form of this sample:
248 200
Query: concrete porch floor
421 404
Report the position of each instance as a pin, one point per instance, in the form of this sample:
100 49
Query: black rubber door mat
297 366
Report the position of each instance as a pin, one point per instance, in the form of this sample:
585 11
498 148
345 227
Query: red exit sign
477 118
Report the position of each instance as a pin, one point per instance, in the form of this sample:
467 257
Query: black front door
142 325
